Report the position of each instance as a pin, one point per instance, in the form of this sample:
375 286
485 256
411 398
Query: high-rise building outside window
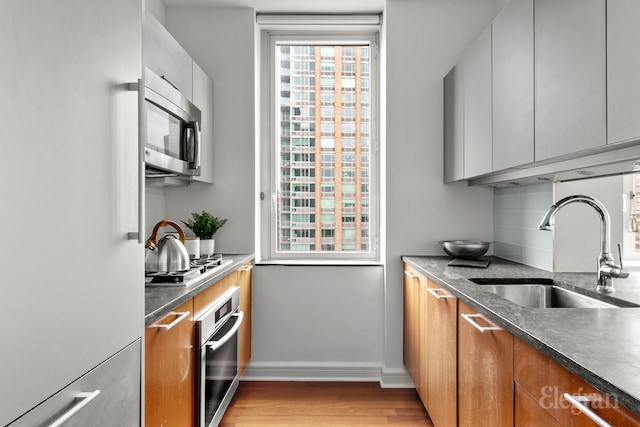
322 88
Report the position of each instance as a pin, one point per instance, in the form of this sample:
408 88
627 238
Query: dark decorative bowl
466 249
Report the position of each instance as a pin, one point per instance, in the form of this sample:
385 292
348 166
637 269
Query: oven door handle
214 345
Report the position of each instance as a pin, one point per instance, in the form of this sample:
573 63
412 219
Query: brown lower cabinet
170 369
170 365
528 411
244 281
414 329
485 371
441 339
544 382
470 372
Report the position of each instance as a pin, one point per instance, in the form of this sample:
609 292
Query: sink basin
542 295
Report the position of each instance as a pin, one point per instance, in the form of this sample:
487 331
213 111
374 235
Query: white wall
317 323
424 40
221 41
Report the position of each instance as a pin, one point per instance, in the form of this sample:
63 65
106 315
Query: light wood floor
323 404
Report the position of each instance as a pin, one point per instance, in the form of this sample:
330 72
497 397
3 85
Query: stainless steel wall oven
218 353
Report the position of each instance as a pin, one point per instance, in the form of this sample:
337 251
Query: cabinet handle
142 137
246 268
163 77
439 293
83 400
168 326
470 318
214 345
411 275
580 403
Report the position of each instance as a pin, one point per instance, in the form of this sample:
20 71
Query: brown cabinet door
170 369
485 371
441 345
529 413
546 382
244 281
414 330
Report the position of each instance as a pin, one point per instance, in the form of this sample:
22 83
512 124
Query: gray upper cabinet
623 70
453 126
513 126
165 57
203 99
570 76
476 71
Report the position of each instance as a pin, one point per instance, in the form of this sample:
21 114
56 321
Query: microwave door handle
192 144
196 144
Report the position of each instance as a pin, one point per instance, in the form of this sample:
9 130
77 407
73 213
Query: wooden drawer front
414 329
204 299
244 281
546 382
605 406
170 369
485 372
442 368
529 413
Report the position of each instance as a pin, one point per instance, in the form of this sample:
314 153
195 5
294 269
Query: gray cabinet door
162 53
623 70
68 114
107 396
476 71
453 126
570 86
513 85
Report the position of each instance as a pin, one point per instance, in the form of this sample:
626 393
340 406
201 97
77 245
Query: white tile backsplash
516 214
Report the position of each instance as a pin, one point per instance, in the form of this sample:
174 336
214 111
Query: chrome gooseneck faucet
607 269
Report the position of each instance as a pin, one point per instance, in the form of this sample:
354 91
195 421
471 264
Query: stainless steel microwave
172 129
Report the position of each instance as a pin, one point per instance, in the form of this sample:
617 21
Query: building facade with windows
323 189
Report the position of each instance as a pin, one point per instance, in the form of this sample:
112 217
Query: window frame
269 143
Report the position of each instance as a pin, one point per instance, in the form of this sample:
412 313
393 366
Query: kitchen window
631 228
334 74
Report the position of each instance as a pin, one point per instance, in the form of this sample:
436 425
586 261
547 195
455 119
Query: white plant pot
207 247
193 247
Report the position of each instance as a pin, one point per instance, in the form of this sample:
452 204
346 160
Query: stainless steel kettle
168 255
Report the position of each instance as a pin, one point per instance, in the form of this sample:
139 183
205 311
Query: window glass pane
343 123
327 143
349 83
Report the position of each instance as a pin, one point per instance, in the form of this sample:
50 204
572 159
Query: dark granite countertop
599 345
160 300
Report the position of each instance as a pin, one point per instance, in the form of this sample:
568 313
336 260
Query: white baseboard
395 378
306 371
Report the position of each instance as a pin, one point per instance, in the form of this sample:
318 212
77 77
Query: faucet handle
620 255
614 270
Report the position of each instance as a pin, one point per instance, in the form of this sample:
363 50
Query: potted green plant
204 226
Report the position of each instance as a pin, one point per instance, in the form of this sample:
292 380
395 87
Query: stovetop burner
197 267
206 261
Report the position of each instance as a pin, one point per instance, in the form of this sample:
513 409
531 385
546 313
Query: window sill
321 263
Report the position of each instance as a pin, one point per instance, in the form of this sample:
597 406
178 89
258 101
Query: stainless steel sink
542 295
